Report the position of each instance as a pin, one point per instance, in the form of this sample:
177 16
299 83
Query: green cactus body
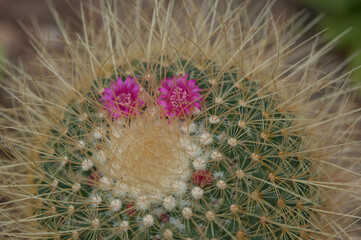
245 176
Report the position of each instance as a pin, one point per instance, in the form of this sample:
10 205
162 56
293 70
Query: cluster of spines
253 185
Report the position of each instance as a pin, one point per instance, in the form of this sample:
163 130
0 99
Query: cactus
226 165
181 139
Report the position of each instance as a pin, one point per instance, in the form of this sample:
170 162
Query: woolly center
146 158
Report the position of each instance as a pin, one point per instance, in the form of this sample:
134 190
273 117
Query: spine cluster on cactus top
174 129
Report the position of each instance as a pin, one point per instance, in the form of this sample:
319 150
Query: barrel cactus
192 122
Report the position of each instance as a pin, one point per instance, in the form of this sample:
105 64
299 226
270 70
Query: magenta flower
179 96
122 98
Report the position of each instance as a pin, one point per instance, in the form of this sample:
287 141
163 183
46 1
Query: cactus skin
257 179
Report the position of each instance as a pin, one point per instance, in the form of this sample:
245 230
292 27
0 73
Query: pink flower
179 96
122 98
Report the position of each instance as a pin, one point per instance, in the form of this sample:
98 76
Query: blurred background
338 16
14 41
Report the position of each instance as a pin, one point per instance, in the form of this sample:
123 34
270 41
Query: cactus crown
233 169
